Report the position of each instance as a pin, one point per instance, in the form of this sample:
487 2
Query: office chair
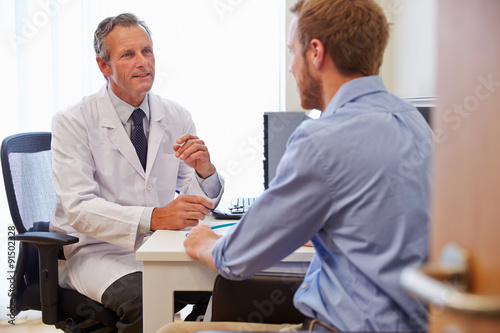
27 172
260 299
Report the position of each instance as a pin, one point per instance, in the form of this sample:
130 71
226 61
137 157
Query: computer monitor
278 126
426 113
425 105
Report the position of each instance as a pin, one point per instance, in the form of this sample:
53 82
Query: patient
343 182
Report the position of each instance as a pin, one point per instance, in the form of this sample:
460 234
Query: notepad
221 229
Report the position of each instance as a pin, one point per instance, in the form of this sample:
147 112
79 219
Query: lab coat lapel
113 127
157 129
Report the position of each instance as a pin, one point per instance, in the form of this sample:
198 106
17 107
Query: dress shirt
211 185
356 182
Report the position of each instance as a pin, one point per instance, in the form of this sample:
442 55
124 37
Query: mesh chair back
27 172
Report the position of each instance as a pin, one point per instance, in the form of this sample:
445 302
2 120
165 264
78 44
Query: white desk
167 268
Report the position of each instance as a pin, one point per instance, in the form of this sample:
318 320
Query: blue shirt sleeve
282 219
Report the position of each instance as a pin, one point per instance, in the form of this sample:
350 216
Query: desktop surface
168 268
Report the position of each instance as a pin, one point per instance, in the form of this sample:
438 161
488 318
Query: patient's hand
199 244
309 243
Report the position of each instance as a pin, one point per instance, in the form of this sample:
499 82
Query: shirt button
149 187
304 286
227 270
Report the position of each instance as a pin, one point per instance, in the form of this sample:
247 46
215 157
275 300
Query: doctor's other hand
185 211
194 153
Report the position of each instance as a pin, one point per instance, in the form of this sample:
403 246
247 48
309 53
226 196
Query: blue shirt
356 182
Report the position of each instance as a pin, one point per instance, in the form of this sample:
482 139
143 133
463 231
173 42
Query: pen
179 192
223 225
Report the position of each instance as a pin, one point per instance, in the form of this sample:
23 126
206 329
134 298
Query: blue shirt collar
354 89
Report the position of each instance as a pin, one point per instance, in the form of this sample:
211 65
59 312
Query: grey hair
105 27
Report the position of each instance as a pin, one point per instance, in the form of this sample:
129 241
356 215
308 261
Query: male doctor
111 194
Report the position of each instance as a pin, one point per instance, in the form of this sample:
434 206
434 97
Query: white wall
414 47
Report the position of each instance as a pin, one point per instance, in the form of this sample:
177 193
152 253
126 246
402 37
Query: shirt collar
123 109
354 89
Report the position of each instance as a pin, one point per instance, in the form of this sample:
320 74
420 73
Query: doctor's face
131 66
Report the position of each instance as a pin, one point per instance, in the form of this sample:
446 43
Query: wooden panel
446 322
466 189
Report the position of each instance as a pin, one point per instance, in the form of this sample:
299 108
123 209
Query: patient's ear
316 52
103 66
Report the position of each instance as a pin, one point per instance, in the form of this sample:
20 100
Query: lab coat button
149 187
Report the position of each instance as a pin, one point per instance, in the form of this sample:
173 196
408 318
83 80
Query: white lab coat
102 188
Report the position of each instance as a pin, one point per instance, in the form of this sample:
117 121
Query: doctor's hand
194 153
199 244
184 211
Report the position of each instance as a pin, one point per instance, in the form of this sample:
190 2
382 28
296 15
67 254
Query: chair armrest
48 245
45 238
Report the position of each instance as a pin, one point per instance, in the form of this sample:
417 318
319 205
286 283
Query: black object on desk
234 210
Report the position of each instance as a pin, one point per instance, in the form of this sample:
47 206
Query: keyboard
235 210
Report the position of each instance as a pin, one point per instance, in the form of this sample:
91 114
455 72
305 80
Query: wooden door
466 161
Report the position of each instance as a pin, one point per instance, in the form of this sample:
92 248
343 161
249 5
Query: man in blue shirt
355 182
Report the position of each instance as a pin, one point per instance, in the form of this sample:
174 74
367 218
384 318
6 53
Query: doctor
109 199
